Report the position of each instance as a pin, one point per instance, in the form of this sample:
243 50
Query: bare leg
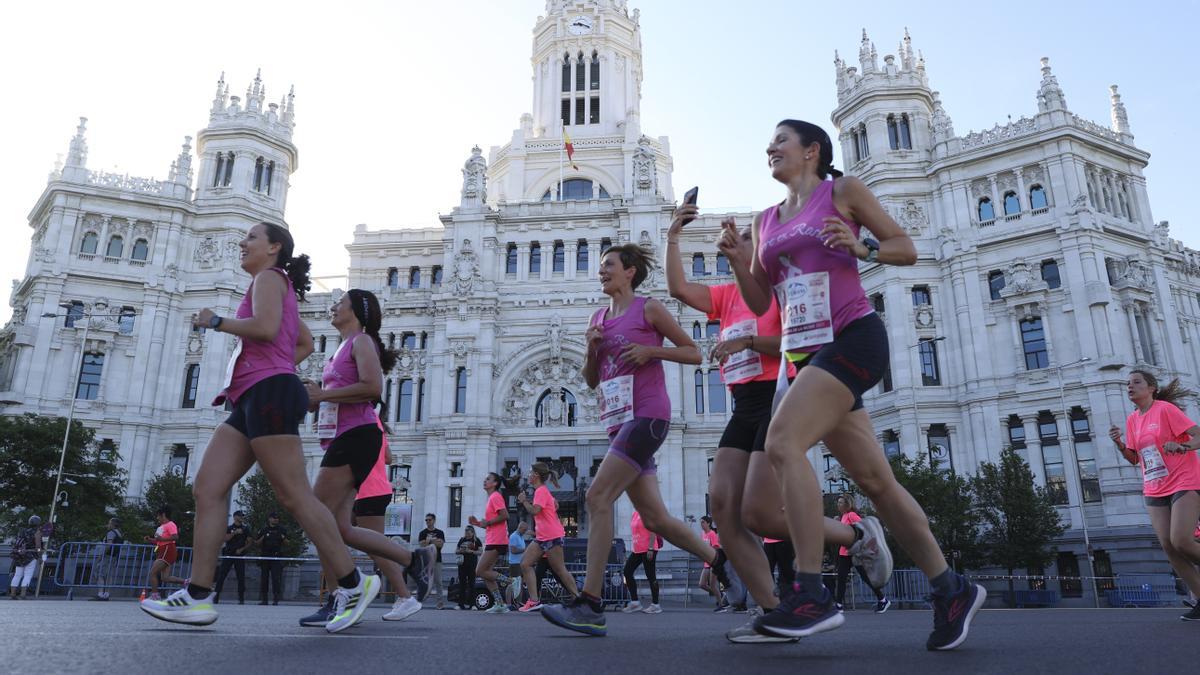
559 568
485 571
613 477
1182 529
392 570
226 459
726 488
529 561
1161 519
335 489
763 514
648 501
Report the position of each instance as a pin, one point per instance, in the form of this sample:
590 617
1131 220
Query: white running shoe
872 552
632 607
403 609
652 608
179 607
350 603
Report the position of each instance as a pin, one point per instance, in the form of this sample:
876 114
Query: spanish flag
570 148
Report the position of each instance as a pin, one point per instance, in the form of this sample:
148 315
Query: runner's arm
685 350
853 198
263 325
750 277
304 344
692 294
370 378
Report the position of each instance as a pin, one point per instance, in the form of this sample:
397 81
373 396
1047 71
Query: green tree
1020 521
171 490
30 446
257 498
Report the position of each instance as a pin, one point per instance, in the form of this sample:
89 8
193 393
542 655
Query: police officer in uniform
237 540
270 542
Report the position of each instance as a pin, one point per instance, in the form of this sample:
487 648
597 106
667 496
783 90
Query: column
537 88
996 205
587 89
571 89
1134 338
522 262
547 252
593 263
1022 197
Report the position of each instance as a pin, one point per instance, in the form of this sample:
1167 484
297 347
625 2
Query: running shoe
952 615
421 569
652 608
402 609
632 607
718 568
530 606
497 608
882 606
871 552
1193 615
800 614
746 635
578 616
741 609
319 618
350 603
180 607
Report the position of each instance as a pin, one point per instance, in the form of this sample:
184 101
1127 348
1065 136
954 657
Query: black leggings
781 555
647 563
843 572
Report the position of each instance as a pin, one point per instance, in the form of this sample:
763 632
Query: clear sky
390 96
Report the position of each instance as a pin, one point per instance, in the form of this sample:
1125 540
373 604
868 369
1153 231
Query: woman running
548 538
845 505
1162 439
269 404
710 537
495 541
807 247
743 489
624 360
645 549
352 436
370 507
166 552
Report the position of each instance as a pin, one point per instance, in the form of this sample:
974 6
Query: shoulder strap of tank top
597 317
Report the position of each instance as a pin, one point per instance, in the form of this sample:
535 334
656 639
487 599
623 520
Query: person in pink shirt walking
644 550
495 541
549 536
1161 439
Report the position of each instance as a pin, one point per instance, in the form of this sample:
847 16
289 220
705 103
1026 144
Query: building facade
1042 280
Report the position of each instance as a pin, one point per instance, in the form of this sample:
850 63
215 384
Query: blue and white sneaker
319 618
578 616
800 614
180 607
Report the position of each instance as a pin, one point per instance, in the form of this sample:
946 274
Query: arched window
861 149
141 250
559 259
1012 205
698 265
227 177
556 407
191 385
580 72
893 133
566 72
696 331
91 242
594 86
722 264
986 211
535 258
393 277
220 170
996 283
699 379
414 277
1037 197
905 134
716 392
74 314
115 246
259 168
595 79
435 276
510 259
574 189
322 341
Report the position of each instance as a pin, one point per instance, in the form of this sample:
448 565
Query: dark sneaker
952 616
319 618
1193 615
882 606
578 616
718 568
421 569
871 552
799 615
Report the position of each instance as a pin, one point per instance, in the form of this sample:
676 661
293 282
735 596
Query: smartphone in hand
690 197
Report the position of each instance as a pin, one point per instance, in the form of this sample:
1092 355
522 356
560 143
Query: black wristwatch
872 249
215 322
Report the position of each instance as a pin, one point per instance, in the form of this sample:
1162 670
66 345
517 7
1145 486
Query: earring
808 157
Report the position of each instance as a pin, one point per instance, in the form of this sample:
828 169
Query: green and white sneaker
497 608
745 635
179 607
350 603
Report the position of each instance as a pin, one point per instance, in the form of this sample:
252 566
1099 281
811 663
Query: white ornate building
1037 251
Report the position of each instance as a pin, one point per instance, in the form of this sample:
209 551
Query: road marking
163 633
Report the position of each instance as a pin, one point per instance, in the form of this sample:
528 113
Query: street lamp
1087 542
62 455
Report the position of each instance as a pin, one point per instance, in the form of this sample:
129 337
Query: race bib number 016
616 401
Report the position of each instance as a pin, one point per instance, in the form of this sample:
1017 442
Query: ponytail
366 309
297 267
1174 393
544 472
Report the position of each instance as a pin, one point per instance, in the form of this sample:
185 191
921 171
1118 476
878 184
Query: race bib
807 320
327 415
237 351
1153 466
616 401
747 363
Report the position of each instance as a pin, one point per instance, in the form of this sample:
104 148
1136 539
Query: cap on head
34 521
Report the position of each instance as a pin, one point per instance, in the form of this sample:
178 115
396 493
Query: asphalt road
56 636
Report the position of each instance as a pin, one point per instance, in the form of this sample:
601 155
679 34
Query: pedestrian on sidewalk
110 554
26 550
237 540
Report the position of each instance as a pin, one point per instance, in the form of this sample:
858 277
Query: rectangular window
456 469
1056 479
393 277
594 111
414 277
930 377
559 260
420 398
996 283
699 378
566 111
1068 566
436 277
581 256
74 313
716 392
535 258
580 74
88 387
191 384
1038 584
579 109
1050 273
456 506
1033 342
408 340
1085 453
877 303
886 382
460 391
939 448
126 320
510 261
920 296
406 401
712 329
723 264
1102 565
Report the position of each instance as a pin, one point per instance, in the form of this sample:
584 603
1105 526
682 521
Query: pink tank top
795 247
259 360
342 371
377 483
649 384
643 539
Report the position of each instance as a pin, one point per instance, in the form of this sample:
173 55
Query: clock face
580 25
